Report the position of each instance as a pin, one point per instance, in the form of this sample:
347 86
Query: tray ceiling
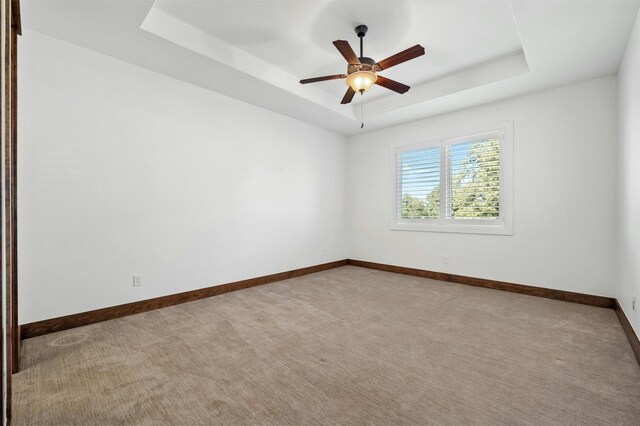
257 51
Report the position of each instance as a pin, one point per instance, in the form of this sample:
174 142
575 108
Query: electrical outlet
445 260
633 303
137 280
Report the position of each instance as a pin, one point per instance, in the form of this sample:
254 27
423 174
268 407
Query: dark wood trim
5 381
9 227
91 317
548 293
628 329
85 318
16 20
15 31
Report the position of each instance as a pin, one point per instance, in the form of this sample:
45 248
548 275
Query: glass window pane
475 179
420 184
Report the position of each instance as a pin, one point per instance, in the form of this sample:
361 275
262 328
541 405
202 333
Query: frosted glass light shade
361 80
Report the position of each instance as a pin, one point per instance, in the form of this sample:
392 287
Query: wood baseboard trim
566 296
628 329
53 325
548 293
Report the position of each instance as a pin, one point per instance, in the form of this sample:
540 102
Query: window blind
459 184
466 174
419 181
473 187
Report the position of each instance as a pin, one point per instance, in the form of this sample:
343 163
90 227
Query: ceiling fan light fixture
361 81
362 70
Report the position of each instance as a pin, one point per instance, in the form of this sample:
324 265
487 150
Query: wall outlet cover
137 280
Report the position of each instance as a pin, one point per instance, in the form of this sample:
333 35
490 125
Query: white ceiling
297 36
257 51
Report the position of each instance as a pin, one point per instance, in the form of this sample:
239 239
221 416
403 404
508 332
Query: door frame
12 29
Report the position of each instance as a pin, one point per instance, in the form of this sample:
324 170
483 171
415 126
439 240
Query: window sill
496 228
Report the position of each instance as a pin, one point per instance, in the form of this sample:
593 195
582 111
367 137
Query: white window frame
500 226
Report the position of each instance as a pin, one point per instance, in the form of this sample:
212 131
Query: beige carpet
346 346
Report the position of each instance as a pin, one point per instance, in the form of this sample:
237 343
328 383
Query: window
460 184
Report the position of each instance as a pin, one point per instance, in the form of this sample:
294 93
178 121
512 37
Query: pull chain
361 109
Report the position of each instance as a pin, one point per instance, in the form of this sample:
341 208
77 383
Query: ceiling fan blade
345 49
326 77
392 85
348 96
398 58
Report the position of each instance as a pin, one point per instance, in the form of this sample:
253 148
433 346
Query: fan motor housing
366 64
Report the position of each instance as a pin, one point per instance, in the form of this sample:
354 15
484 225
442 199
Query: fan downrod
361 31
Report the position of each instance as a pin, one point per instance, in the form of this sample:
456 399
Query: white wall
628 266
126 171
564 171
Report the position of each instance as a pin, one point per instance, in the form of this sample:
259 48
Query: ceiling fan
362 71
